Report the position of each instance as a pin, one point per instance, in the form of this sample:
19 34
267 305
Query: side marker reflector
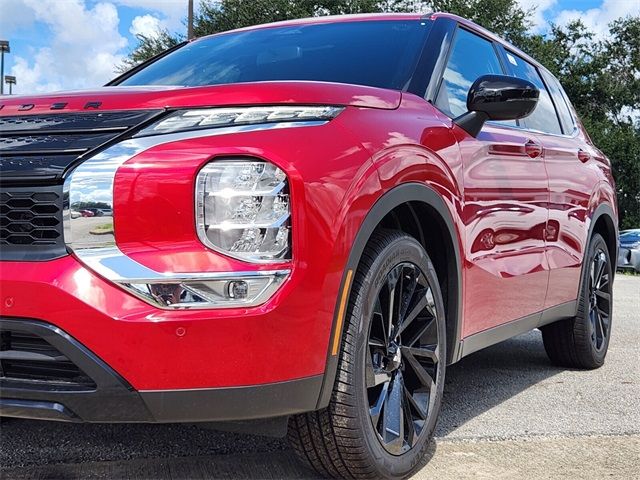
341 313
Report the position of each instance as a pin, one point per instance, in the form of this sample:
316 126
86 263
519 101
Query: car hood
262 93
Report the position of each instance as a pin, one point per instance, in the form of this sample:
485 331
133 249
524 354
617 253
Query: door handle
533 149
584 156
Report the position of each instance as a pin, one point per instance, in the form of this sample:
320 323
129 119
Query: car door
570 181
505 199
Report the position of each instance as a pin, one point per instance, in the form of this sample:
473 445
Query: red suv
304 222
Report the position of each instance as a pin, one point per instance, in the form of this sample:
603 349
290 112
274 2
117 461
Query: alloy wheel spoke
411 276
603 295
411 316
423 376
378 335
429 353
422 414
393 416
600 264
376 410
410 430
429 326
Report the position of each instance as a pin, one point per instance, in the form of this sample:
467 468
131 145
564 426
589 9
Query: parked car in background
311 221
629 256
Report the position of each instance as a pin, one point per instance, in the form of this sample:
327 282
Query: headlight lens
224 117
243 210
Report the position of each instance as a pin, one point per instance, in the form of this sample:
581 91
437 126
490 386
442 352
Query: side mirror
497 97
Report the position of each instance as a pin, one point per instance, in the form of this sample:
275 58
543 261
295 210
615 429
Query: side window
558 95
544 117
471 57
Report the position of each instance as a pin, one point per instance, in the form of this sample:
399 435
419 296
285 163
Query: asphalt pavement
508 413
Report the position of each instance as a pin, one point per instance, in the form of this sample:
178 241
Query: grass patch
104 229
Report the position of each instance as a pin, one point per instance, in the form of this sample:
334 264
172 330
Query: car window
544 117
378 53
471 57
630 237
566 119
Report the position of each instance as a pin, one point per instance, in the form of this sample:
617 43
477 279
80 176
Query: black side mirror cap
497 97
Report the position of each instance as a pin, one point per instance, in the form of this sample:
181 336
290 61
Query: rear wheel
582 341
391 367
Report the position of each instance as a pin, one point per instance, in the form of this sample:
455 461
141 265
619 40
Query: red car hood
128 98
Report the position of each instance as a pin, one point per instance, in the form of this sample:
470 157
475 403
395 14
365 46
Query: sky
75 44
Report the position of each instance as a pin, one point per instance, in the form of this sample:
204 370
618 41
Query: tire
377 374
582 341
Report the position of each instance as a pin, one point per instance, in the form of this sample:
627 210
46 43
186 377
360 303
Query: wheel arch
411 207
602 222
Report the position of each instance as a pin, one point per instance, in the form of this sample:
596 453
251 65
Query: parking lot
508 413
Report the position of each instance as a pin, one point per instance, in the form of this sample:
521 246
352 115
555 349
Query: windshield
373 53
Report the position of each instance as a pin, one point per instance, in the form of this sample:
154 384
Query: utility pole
4 47
190 21
10 80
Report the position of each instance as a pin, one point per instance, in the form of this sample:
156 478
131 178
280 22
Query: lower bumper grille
26 356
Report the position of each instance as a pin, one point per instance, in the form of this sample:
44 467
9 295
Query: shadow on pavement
491 376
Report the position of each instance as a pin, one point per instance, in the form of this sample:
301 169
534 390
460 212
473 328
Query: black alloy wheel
403 358
599 299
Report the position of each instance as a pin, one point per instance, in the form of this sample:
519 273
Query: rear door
505 199
570 181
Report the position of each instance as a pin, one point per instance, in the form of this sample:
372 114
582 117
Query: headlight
242 210
226 117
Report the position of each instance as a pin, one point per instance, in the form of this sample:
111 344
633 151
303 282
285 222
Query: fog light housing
247 290
243 210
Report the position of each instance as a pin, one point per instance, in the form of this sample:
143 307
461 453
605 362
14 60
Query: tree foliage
600 74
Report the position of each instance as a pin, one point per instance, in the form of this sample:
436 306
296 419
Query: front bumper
629 259
151 365
101 395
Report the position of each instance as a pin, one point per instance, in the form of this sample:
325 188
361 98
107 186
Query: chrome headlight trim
92 180
112 264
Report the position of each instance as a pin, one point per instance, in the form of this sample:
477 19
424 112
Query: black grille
28 357
38 148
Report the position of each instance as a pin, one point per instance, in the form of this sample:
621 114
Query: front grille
38 148
35 151
25 356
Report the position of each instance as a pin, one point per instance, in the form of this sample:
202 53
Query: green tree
602 79
148 47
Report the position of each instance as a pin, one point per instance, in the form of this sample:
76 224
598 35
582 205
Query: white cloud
84 49
598 19
146 25
171 13
541 7
14 14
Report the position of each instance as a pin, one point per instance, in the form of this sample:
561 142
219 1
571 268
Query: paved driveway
508 413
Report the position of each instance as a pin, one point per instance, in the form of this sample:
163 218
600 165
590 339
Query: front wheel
391 366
